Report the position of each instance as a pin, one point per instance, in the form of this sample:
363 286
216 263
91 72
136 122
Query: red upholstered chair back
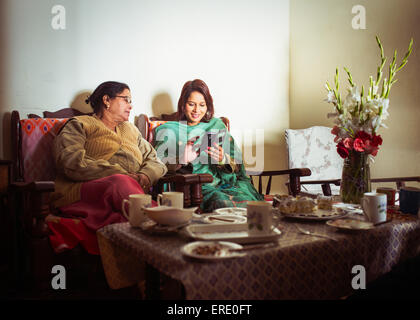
37 136
32 144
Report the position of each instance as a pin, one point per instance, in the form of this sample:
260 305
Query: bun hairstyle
199 86
109 88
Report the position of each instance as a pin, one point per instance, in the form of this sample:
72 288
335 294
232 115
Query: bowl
170 216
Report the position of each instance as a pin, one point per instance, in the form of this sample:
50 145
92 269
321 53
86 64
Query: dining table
296 266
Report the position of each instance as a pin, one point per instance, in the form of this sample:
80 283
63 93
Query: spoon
221 219
309 233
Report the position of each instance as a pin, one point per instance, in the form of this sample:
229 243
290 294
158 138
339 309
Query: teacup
390 195
410 200
374 207
171 199
136 202
260 218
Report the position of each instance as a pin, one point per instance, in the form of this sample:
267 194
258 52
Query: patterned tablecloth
300 267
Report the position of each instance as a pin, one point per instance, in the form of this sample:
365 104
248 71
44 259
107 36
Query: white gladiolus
385 105
353 98
331 97
366 110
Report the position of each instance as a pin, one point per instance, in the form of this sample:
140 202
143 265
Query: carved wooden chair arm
400 181
326 189
34 186
294 178
190 184
325 185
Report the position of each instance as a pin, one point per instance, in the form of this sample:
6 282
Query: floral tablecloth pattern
300 267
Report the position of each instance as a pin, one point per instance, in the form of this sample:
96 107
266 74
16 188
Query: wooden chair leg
294 185
196 194
326 189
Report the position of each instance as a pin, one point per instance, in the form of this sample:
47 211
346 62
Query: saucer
351 224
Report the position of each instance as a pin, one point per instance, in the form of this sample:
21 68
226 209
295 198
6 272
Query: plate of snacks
306 208
212 250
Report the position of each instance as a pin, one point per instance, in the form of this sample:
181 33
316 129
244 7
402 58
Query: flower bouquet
357 119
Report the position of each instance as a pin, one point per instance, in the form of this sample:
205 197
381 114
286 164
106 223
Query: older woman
200 142
102 158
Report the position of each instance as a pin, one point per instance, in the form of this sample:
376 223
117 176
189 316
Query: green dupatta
228 189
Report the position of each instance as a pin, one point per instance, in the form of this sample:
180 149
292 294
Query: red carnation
376 140
348 143
359 145
335 130
363 136
371 149
342 151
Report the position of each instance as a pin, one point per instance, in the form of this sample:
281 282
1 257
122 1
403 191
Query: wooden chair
33 174
315 149
147 125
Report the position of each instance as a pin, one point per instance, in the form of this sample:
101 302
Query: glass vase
355 180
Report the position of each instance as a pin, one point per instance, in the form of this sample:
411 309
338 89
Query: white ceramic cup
374 206
171 199
260 218
136 202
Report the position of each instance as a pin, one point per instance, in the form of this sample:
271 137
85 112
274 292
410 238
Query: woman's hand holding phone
217 153
191 152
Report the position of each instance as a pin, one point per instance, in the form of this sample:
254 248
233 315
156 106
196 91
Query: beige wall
240 48
322 38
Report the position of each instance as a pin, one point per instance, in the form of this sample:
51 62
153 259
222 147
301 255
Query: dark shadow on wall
162 104
79 102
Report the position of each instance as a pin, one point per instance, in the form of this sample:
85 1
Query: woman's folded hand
142 179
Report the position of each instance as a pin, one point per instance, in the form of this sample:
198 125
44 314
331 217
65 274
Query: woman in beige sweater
102 158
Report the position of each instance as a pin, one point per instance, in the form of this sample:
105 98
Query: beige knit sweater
86 149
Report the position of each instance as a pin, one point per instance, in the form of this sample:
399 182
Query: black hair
109 88
201 87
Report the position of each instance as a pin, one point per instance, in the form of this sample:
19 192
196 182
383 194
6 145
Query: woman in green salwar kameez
185 144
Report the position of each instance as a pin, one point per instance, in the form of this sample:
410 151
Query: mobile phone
211 138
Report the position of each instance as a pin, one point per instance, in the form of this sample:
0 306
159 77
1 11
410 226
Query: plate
233 232
225 218
152 227
211 250
348 208
317 215
230 211
350 224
